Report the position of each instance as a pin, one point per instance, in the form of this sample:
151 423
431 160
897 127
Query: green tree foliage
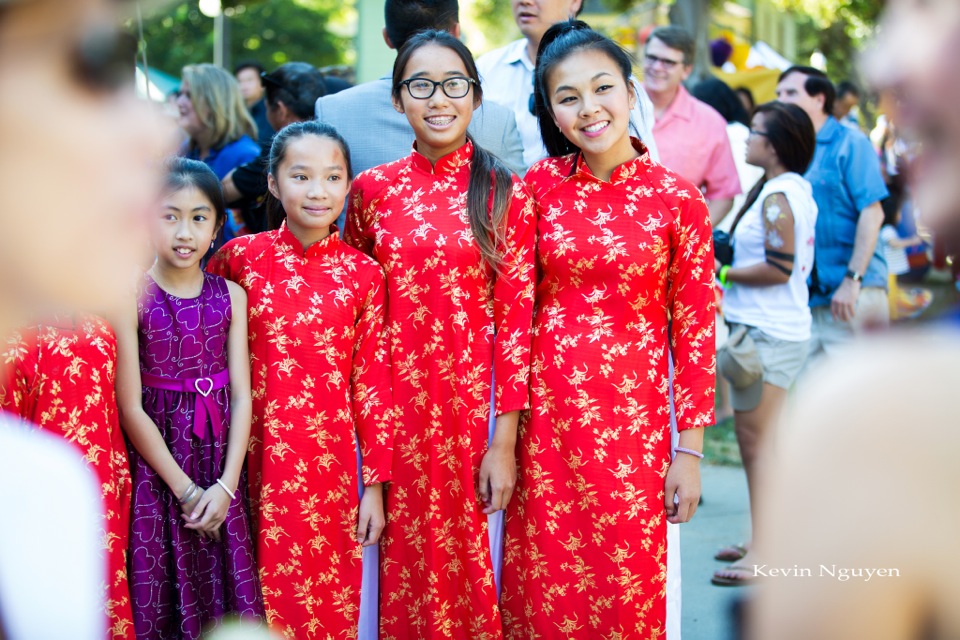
495 19
836 28
272 32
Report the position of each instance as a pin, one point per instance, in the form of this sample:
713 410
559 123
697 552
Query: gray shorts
782 362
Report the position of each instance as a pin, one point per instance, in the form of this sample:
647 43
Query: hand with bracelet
206 512
682 484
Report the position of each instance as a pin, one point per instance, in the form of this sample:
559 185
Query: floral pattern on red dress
321 384
61 377
453 322
626 280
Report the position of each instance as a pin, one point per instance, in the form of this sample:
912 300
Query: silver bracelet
189 493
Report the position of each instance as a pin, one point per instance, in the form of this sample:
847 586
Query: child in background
61 377
183 389
904 303
321 382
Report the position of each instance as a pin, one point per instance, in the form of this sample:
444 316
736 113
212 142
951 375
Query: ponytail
488 200
748 201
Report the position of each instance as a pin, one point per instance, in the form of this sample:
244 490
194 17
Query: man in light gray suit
376 133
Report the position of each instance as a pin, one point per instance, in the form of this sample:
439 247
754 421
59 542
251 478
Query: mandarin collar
320 248
450 163
625 171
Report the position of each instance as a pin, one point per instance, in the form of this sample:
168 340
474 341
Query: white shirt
51 559
506 75
779 310
896 257
748 173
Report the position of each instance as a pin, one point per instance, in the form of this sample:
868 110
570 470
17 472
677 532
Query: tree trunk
694 16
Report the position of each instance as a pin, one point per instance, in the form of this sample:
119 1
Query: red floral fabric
320 382
453 323
61 377
626 279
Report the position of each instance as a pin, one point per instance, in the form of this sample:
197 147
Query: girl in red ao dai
455 236
625 280
60 377
321 386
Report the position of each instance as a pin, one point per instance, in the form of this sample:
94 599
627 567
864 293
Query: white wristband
233 495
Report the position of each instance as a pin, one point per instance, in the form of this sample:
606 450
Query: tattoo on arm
778 228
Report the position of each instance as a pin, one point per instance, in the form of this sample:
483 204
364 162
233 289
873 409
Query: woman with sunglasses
766 281
454 233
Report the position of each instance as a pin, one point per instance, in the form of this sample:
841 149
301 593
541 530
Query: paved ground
722 519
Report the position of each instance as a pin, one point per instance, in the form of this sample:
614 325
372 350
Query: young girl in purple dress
183 389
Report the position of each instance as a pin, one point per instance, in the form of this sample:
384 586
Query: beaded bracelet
233 495
688 451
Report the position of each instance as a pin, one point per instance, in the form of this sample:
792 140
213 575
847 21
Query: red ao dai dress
61 377
320 381
445 306
585 540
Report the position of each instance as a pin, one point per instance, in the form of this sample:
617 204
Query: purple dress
180 582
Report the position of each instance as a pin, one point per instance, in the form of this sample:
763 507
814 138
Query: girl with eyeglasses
454 233
625 282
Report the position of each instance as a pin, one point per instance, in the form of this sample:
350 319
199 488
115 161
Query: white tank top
780 310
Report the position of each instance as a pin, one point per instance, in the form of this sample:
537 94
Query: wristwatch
853 275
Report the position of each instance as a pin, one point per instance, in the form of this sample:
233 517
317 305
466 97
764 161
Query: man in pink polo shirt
691 136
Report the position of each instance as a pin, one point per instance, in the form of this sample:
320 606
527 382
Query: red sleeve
222 262
371 383
18 373
513 298
691 302
359 209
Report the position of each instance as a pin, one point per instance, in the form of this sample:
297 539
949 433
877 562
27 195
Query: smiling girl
626 279
183 390
321 384
455 236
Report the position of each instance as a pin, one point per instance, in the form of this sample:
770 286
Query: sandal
732 553
733 576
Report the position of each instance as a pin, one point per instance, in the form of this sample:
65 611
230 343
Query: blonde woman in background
212 112
221 132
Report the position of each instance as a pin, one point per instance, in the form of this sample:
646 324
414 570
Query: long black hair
278 151
181 173
793 138
558 43
487 172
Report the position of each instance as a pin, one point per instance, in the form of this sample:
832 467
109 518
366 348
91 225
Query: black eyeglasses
423 88
667 64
